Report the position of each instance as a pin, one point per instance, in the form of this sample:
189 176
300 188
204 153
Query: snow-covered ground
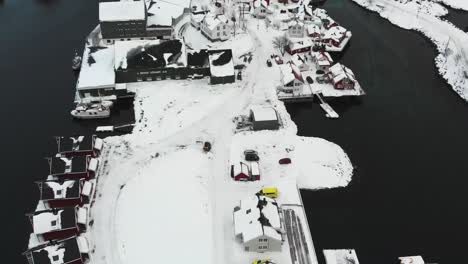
161 199
424 16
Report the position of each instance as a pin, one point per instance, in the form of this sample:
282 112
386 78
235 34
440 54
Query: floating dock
330 113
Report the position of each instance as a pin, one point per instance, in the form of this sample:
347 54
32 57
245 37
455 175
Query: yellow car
262 261
270 192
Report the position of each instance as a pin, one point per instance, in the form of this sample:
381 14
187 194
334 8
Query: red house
245 172
299 46
342 77
74 250
79 146
80 167
335 36
63 194
56 224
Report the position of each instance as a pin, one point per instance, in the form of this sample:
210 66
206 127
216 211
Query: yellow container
270 192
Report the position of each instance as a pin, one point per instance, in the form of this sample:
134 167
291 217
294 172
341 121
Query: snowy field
424 16
161 199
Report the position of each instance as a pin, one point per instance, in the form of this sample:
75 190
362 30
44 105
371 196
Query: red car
285 161
278 60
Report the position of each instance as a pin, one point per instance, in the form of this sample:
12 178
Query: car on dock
284 161
309 79
269 192
269 63
319 72
251 155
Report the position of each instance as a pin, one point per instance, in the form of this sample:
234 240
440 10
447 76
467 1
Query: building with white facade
215 27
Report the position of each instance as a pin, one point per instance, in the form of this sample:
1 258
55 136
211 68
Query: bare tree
281 43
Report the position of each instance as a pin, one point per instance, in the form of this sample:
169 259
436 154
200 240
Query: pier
330 113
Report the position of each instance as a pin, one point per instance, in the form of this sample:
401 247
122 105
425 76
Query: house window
224 27
55 258
217 27
59 192
53 223
246 248
217 34
248 211
139 79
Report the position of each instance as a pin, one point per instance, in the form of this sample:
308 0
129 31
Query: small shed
264 118
254 171
79 167
240 172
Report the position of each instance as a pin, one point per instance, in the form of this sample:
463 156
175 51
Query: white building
261 9
257 224
296 29
291 78
215 27
322 60
300 61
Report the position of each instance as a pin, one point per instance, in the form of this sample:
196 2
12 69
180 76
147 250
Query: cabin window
217 34
248 211
59 192
53 223
55 258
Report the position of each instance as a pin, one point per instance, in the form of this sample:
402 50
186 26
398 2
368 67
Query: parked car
206 146
321 79
319 72
269 192
196 76
239 66
278 60
285 161
309 79
269 63
262 261
251 155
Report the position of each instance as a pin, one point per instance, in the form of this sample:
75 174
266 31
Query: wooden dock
330 113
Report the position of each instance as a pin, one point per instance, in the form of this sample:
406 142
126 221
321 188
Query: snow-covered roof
411 260
212 21
56 190
297 59
161 13
337 256
97 69
58 252
221 63
294 23
264 114
50 220
154 49
300 44
339 72
254 168
87 188
239 168
261 3
335 33
321 13
322 56
311 29
98 143
257 216
290 72
93 164
121 11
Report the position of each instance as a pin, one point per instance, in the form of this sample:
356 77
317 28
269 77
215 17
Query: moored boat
76 63
94 111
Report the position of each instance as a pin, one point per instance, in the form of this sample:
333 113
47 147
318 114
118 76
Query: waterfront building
257 224
74 250
342 77
79 167
58 223
79 146
322 59
221 66
296 29
261 9
54 194
291 78
122 20
300 61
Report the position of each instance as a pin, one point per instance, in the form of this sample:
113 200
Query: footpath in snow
424 16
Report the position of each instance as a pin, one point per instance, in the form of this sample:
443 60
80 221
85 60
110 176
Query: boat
93 111
76 63
411 260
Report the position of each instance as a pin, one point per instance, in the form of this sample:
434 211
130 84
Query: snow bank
458 4
450 41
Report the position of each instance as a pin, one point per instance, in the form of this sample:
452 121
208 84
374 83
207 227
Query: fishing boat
92 111
76 63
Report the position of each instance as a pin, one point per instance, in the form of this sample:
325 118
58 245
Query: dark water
408 139
38 39
407 136
458 17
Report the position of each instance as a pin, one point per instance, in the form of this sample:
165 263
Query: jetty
330 113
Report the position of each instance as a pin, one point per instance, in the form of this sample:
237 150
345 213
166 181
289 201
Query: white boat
94 111
76 63
411 260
